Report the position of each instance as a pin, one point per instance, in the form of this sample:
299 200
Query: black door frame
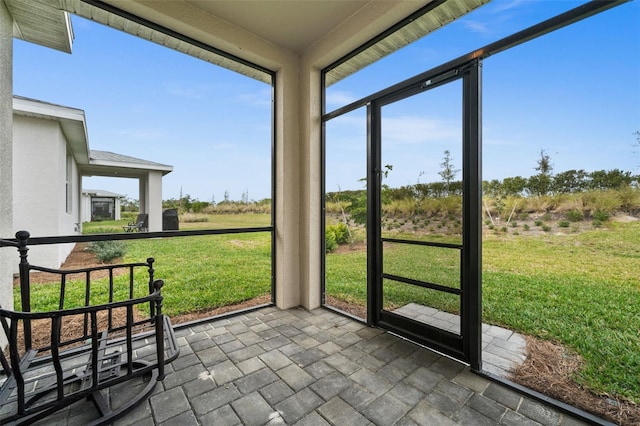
466 346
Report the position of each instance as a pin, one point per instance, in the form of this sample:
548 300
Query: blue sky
144 100
574 93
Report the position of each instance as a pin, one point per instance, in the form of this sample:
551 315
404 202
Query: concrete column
153 200
142 195
8 256
310 185
287 206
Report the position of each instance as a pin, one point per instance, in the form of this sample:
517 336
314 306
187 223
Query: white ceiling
260 32
294 25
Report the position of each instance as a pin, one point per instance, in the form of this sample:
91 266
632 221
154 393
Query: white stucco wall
39 187
8 255
85 201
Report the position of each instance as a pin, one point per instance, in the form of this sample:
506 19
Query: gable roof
90 162
72 122
101 193
126 164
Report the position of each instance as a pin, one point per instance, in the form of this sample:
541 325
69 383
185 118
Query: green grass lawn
582 290
200 272
206 272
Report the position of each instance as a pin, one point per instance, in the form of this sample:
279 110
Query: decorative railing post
159 329
25 290
150 261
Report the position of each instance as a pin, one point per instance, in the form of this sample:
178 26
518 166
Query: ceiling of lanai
262 32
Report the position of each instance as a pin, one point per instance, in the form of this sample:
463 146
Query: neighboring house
50 156
100 205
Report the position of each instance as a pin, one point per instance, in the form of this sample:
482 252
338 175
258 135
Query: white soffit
41 22
292 25
115 21
437 17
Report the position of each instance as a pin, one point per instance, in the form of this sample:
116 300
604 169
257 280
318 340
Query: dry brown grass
549 369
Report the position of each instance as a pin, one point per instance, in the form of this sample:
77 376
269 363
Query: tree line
542 183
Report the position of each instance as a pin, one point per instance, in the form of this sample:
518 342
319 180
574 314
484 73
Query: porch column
310 185
153 200
289 255
142 195
8 256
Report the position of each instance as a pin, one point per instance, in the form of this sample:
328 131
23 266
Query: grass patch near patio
582 290
200 273
207 272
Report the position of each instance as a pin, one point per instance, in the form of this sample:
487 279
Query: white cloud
340 98
476 27
503 6
413 130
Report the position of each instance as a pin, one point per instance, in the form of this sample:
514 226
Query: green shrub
128 216
503 229
526 227
597 223
546 228
514 224
546 216
564 224
574 215
342 233
538 223
601 215
330 240
335 235
107 251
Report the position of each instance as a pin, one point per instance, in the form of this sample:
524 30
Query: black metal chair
88 349
140 225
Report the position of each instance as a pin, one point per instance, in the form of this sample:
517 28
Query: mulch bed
549 368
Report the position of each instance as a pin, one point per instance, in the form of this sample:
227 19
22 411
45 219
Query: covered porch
301 367
148 174
296 362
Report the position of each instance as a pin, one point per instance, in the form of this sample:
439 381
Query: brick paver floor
298 367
